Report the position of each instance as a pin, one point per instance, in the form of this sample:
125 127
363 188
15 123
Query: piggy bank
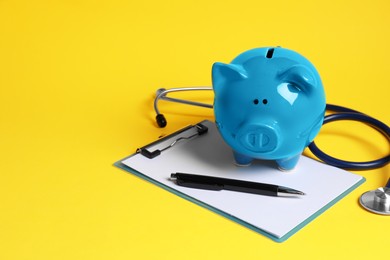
269 104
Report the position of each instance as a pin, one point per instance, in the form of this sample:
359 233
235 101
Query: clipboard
199 149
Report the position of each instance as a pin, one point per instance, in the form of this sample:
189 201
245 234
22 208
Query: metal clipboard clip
200 130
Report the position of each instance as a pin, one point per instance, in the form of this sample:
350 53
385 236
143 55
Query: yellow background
77 80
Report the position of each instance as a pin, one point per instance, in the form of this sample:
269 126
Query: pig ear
301 77
222 73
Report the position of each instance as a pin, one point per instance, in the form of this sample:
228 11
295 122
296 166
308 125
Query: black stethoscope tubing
343 113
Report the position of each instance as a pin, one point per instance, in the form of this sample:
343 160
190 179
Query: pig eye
256 101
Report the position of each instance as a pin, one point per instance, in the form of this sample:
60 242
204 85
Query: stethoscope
377 201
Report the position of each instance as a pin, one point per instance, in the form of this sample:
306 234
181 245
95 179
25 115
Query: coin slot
270 53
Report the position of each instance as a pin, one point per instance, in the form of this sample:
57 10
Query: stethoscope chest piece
377 201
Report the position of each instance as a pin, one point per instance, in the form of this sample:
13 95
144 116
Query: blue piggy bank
269 104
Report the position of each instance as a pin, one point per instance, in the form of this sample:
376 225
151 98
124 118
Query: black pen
215 183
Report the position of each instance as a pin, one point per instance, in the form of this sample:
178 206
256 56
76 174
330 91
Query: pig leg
287 164
242 160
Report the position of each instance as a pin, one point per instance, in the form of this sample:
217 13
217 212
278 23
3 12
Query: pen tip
296 192
283 191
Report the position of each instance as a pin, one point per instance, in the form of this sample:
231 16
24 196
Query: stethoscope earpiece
161 93
161 121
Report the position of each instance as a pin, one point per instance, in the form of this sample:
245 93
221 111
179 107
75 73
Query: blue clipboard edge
122 166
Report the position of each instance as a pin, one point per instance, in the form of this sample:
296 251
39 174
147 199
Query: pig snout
259 138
